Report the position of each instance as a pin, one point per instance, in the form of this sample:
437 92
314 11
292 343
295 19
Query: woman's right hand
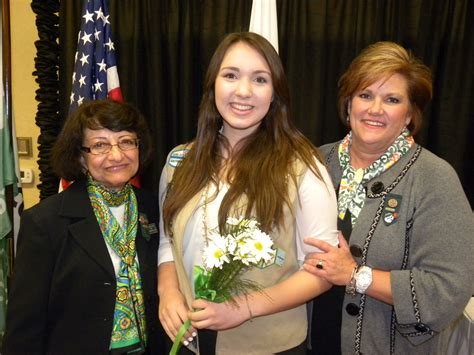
173 313
173 309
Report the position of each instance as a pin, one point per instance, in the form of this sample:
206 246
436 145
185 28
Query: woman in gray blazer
404 265
85 273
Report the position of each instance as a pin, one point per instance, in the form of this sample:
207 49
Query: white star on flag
95 73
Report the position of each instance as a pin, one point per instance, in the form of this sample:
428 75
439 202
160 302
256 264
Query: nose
115 153
244 88
376 107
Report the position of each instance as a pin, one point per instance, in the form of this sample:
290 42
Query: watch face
364 279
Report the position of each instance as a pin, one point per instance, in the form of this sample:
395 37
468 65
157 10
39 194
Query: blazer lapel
141 241
84 227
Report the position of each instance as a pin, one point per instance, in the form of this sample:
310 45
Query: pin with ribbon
391 210
146 227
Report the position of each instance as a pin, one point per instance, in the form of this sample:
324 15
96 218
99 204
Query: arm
316 216
292 292
437 284
338 267
173 311
27 312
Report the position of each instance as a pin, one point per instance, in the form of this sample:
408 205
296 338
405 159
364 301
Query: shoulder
327 149
146 198
177 154
434 180
432 169
52 205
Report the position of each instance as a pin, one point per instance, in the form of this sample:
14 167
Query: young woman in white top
247 159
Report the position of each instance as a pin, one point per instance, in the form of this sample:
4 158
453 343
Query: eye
229 76
100 146
261 80
127 143
364 96
393 100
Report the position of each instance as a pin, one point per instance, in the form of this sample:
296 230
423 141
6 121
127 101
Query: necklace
205 228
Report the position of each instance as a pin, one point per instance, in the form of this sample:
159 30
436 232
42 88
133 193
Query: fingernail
194 334
186 343
190 338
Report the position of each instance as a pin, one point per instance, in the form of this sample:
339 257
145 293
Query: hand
337 261
173 312
218 316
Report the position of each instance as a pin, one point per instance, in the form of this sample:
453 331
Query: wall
23 51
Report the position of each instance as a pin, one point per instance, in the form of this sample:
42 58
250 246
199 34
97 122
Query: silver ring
320 264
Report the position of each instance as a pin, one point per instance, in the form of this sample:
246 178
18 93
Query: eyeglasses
104 147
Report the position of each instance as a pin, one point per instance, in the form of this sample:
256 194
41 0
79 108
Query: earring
348 119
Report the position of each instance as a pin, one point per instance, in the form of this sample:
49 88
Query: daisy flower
215 253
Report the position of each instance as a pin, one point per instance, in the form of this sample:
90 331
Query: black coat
62 295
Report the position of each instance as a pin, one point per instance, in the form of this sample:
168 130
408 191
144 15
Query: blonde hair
382 60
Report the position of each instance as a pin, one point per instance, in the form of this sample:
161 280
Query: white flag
263 20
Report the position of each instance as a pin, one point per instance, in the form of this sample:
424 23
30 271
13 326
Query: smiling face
243 91
115 168
378 114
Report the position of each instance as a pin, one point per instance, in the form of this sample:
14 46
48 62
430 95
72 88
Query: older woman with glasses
85 273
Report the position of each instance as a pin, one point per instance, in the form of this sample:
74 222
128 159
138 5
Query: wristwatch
363 279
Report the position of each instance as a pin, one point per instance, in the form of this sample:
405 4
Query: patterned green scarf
129 329
351 191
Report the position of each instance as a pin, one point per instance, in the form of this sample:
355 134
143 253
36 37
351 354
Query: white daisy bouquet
226 257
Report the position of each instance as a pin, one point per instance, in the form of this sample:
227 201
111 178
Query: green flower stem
177 342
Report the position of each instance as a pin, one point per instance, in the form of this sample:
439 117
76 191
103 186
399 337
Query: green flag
8 182
7 178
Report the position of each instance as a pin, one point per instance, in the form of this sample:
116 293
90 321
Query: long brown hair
260 169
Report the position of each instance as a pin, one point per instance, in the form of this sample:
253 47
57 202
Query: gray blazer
418 224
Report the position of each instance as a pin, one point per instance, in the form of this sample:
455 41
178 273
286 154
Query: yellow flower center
258 246
218 254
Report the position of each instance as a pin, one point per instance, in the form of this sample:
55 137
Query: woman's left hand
218 316
337 262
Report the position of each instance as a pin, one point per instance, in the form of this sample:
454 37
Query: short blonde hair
382 60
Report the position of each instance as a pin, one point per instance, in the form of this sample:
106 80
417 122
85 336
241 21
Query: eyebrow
133 136
386 94
238 70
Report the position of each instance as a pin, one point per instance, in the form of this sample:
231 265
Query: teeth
242 107
374 123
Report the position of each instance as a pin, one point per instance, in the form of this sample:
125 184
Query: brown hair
97 114
263 163
382 60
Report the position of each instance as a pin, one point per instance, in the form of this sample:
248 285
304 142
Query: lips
374 123
116 167
241 107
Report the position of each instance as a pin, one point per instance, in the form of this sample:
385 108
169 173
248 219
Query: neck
362 158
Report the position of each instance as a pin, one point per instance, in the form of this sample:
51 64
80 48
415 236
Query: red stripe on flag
115 94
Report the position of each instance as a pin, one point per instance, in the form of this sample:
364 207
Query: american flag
95 69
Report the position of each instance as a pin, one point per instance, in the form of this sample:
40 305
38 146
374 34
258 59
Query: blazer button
356 250
377 187
352 309
421 328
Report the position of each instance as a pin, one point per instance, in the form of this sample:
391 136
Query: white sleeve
316 215
165 253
